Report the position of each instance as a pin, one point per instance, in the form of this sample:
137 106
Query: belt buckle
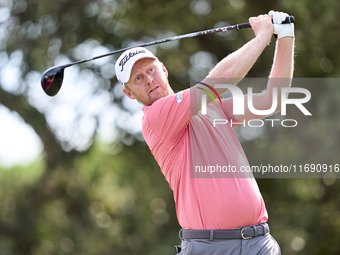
242 234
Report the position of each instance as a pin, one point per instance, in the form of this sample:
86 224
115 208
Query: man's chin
156 96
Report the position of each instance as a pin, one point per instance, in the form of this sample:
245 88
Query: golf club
52 79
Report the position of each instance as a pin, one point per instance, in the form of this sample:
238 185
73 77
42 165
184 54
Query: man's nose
149 79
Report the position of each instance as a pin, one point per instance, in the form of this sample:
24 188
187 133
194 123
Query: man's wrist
286 40
263 40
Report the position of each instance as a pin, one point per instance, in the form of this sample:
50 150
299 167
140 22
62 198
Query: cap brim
130 66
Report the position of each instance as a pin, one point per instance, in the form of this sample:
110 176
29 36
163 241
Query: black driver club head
52 79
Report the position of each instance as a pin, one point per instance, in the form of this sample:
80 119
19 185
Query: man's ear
165 70
129 93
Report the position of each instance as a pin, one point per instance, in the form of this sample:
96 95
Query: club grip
289 19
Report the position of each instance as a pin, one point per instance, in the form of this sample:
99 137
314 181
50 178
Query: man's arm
280 76
236 65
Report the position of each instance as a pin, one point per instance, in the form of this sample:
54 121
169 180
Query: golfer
217 215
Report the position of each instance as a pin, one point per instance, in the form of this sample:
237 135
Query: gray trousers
261 245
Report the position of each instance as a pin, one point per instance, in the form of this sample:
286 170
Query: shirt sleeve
227 107
168 117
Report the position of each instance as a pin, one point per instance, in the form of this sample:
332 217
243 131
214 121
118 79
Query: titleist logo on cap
129 56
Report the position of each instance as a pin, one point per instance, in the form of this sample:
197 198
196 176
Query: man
218 215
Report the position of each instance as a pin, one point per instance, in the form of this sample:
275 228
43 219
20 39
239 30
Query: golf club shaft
175 38
289 19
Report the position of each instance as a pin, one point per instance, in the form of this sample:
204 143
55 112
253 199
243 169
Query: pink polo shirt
182 146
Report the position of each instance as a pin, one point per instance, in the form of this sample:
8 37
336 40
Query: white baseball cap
126 61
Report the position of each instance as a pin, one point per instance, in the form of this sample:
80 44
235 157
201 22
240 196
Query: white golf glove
281 30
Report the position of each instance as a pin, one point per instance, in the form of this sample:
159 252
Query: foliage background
96 189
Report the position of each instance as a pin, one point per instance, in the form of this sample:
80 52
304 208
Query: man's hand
262 26
281 30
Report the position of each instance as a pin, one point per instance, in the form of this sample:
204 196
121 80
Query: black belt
239 233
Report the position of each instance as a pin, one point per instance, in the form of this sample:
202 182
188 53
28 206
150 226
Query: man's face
148 81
